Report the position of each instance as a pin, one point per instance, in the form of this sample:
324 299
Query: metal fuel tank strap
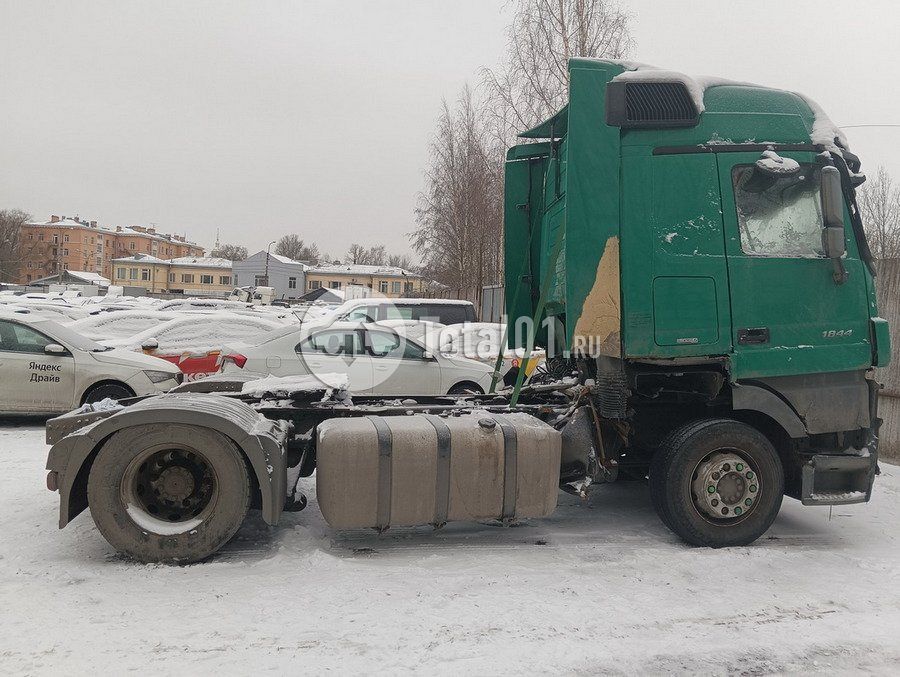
510 467
442 476
385 472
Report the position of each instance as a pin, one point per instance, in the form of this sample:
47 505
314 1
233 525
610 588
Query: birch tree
533 81
459 214
879 206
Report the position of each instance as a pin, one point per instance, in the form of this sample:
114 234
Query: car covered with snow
195 342
121 324
377 360
376 309
47 368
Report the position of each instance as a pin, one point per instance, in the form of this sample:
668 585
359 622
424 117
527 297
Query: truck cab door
788 314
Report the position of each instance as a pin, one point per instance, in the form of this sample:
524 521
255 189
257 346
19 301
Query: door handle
753 336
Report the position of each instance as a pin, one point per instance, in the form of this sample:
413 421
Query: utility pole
267 263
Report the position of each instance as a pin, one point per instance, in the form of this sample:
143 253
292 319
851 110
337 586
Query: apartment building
71 243
193 275
389 281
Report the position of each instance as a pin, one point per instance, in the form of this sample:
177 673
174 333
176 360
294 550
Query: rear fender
262 441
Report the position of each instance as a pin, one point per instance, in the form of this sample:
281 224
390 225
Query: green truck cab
693 249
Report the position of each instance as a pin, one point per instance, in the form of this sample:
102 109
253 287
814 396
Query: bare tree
232 252
368 256
294 247
404 261
459 213
533 81
879 206
11 244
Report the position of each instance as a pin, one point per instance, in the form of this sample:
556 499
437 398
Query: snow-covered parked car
59 310
377 360
195 342
121 324
46 368
377 309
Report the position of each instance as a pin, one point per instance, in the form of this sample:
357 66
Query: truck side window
779 216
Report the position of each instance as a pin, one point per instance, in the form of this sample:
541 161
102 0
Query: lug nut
714 502
749 475
724 511
739 467
726 467
748 502
753 488
711 489
738 511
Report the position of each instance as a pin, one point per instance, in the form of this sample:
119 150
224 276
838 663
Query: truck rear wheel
168 493
717 483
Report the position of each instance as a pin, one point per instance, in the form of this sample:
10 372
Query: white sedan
376 360
46 368
197 333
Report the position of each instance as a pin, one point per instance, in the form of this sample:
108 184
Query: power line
854 126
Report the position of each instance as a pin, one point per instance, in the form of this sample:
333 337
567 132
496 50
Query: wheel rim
725 487
168 487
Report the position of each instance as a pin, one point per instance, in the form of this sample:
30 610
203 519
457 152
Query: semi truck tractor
689 253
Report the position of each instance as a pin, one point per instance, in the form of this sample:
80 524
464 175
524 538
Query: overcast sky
261 118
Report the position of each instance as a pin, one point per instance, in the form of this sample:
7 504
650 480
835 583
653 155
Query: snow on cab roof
824 131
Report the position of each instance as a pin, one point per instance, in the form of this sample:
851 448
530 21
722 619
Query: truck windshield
779 216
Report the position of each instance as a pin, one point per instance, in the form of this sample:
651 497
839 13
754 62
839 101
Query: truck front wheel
168 493
717 483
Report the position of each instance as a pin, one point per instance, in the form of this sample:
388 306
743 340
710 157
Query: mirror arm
840 274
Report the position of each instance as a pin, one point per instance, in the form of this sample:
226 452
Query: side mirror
428 355
834 239
55 349
150 344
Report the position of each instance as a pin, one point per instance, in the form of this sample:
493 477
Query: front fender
261 440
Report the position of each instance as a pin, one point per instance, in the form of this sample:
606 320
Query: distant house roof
137 231
261 256
201 261
63 223
360 269
140 258
324 294
198 261
89 277
77 276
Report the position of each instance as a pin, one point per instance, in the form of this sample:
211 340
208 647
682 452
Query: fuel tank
421 469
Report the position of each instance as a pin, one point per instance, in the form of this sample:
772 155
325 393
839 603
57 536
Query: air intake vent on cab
650 105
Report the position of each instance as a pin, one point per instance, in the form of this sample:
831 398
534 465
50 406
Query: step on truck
690 254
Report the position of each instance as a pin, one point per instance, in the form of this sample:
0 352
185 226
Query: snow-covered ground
601 587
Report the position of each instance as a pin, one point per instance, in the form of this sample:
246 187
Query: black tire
692 450
114 391
466 388
121 490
